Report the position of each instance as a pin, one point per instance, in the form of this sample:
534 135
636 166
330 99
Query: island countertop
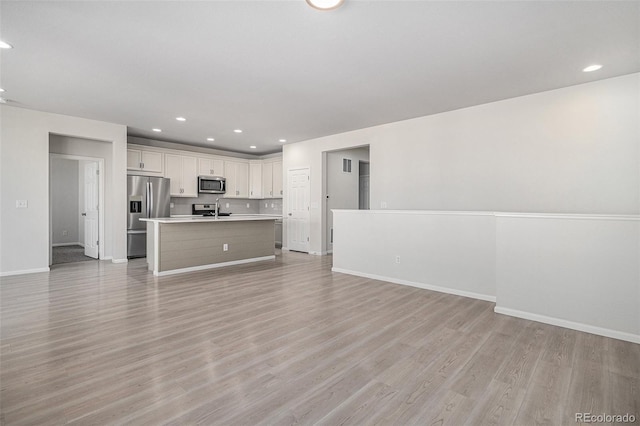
232 218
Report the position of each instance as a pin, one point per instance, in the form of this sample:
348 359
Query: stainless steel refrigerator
146 197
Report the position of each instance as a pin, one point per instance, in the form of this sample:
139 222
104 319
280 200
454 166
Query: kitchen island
192 243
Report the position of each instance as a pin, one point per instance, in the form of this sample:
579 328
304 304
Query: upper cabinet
267 180
210 166
237 174
145 161
272 179
255 179
183 172
277 179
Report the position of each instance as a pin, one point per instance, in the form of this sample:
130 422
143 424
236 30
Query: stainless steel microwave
212 185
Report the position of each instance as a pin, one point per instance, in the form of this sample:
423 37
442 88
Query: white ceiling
280 69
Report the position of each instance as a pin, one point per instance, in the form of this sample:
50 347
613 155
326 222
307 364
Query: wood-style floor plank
287 342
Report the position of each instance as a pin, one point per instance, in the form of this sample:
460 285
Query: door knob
83 214
289 214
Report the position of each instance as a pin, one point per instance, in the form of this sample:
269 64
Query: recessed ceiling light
325 4
1 90
3 101
181 119
5 45
594 67
253 147
157 130
238 131
282 140
210 139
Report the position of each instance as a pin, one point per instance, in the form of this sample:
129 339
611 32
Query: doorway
75 215
346 177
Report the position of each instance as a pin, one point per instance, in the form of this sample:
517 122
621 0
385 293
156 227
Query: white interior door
90 213
298 210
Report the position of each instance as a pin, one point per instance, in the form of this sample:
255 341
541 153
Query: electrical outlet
171 205
273 206
65 233
227 205
21 204
225 247
248 205
397 259
383 205
266 205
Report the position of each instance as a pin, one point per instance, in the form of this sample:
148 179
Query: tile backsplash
231 205
270 206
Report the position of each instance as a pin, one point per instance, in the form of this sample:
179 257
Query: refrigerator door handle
149 199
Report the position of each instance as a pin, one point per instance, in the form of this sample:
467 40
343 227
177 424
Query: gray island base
176 245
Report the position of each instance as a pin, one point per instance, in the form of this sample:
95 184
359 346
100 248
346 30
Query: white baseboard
24 271
125 260
213 265
634 338
318 253
424 286
67 244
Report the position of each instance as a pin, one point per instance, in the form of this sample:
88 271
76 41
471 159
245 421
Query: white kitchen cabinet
272 179
255 179
144 161
277 179
208 166
267 180
183 172
237 174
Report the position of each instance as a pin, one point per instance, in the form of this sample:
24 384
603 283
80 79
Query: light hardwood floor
288 342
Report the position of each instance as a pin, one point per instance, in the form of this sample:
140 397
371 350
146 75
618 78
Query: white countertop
232 218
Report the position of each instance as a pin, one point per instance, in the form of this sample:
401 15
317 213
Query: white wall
575 271
65 202
24 175
452 252
572 150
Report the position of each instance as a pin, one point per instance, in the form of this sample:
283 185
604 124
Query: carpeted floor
68 254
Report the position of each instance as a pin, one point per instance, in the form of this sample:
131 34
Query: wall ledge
496 214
